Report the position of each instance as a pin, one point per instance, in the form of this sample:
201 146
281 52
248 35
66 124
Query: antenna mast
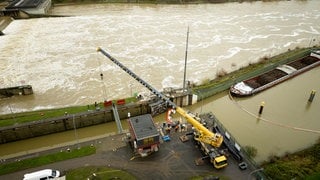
185 62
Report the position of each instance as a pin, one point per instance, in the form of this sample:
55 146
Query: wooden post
311 97
261 107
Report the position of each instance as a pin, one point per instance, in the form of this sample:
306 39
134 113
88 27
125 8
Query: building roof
143 126
16 4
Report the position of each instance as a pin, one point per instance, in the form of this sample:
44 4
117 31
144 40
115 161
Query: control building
144 136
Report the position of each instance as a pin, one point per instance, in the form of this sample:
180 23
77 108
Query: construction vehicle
216 158
203 135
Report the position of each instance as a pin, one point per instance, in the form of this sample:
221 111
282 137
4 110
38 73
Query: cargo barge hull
280 74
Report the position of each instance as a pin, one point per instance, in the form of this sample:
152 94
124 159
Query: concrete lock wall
68 122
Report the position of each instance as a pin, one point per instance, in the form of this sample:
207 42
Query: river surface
58 57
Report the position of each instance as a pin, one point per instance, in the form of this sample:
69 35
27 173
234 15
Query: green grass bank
45 159
304 164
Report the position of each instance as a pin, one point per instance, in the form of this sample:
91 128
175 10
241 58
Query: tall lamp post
185 63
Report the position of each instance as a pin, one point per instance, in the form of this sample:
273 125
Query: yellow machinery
203 135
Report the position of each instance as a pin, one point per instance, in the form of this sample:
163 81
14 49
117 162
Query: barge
275 76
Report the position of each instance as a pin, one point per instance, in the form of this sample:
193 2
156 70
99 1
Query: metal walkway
117 118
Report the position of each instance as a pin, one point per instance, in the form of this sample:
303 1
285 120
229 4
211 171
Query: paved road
175 160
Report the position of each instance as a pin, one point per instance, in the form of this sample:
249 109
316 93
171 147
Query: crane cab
219 162
216 158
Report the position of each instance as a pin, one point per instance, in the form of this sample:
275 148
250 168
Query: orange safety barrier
107 103
121 101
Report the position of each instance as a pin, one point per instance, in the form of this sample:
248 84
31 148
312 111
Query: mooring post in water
313 93
261 107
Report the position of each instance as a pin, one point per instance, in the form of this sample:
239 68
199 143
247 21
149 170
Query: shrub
251 151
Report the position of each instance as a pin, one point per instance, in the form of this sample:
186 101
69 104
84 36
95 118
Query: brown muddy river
58 57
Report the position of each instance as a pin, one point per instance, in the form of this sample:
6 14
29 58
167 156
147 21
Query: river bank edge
4 3
208 88
79 2
303 164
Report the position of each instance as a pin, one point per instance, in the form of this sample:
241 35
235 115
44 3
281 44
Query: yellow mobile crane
202 134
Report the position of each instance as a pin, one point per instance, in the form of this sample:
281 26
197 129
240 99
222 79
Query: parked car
42 175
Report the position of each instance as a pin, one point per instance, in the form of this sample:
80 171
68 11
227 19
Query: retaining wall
70 121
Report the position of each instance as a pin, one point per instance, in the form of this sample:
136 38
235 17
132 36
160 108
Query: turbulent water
58 57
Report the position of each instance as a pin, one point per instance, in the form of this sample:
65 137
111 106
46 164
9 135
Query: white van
42 175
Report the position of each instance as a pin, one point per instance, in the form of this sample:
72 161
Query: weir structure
16 90
4 22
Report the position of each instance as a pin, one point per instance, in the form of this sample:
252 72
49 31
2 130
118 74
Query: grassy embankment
79 173
94 172
304 164
45 159
24 117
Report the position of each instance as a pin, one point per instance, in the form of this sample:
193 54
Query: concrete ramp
4 22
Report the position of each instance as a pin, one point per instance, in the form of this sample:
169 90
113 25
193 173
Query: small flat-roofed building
144 135
30 6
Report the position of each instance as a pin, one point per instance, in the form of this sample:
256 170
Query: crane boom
136 77
204 135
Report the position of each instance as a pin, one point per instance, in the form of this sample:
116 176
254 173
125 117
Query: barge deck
273 77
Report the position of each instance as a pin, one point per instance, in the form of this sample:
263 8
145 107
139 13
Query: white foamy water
58 57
